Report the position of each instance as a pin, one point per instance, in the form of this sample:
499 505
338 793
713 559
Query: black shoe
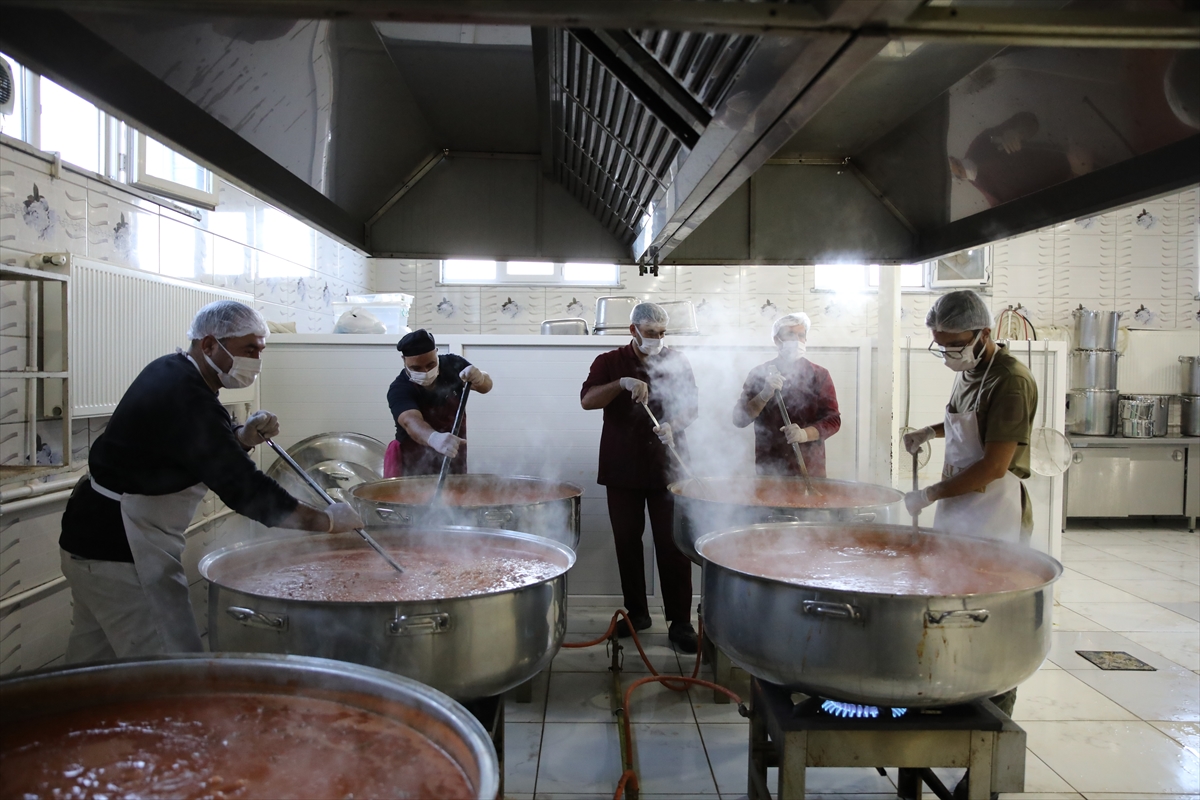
683 635
640 623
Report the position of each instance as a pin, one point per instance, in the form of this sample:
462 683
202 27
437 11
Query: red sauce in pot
468 491
873 560
786 493
224 746
361 576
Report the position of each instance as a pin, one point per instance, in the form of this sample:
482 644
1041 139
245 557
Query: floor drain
1116 660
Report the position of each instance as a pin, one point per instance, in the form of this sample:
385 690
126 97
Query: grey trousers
112 617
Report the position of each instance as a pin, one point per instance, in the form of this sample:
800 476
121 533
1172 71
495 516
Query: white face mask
964 359
241 374
650 347
793 350
424 378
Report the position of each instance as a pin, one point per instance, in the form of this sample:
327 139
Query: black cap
416 343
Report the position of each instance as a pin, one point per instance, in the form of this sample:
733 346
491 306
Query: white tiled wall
1109 262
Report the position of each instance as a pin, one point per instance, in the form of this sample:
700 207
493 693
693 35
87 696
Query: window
70 125
540 273
965 268
864 278
161 170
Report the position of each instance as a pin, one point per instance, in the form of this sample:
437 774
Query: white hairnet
791 321
958 312
648 313
227 319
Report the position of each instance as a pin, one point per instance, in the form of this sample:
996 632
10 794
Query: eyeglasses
953 352
650 334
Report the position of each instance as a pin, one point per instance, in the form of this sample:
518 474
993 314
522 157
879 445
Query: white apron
993 511
155 527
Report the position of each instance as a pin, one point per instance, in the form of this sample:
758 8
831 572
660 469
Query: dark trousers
627 513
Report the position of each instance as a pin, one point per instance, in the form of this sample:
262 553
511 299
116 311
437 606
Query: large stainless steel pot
467 647
1190 369
338 461
1096 330
1144 415
512 503
612 313
1093 369
442 721
716 504
1092 412
1189 415
881 649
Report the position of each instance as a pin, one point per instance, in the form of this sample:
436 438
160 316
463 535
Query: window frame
137 175
962 283
504 279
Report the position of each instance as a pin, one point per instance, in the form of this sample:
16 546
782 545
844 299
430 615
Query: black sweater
169 432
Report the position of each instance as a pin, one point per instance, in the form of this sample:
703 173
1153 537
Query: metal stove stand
795 736
490 713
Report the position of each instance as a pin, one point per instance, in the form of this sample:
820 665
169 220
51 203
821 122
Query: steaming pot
467 647
439 719
906 650
719 503
529 505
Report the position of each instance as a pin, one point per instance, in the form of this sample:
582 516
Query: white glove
914 439
639 389
773 384
445 443
794 434
665 434
472 375
917 501
342 518
260 426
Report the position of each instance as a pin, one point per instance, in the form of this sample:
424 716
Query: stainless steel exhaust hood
697 132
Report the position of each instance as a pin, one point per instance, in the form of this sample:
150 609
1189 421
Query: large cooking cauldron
715 504
829 634
448 727
529 505
468 647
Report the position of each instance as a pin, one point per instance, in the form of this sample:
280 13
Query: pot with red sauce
706 505
873 614
237 726
514 503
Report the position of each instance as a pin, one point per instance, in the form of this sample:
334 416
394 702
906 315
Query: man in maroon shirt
808 394
635 464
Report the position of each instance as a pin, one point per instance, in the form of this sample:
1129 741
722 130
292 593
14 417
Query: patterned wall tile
1031 250
716 313
1148 282
516 306
121 232
759 311
691 281
634 283
772 280
450 308
510 330
1023 281
1148 313
185 251
39 213
572 303
12 399
1148 251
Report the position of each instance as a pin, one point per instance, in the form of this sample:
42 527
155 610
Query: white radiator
121 320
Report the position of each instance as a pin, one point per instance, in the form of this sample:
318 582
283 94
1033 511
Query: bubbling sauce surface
224 746
873 561
474 490
361 576
787 493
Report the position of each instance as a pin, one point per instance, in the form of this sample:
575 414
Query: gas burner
856 711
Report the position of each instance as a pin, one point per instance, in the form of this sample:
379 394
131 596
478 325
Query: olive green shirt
1008 401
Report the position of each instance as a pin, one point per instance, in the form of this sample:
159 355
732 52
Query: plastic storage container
391 309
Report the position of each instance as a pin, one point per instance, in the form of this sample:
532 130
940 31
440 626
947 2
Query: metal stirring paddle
787 420
316 487
916 531
454 429
691 475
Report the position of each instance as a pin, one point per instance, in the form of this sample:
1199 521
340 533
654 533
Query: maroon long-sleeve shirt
811 401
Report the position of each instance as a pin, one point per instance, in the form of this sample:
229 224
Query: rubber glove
914 439
260 426
639 389
917 501
794 434
342 518
472 375
772 384
446 443
665 434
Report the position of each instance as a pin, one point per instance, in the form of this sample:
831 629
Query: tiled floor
1091 734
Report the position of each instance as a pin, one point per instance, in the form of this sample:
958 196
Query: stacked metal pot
1189 416
1092 402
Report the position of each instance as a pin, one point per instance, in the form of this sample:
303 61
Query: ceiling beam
1080 26
1167 169
54 44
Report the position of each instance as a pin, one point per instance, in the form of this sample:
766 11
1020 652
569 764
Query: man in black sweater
169 441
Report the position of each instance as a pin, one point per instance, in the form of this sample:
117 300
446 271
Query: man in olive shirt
987 428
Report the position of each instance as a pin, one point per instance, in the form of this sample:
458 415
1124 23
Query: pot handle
497 517
781 518
417 624
865 517
959 618
821 608
386 515
255 619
